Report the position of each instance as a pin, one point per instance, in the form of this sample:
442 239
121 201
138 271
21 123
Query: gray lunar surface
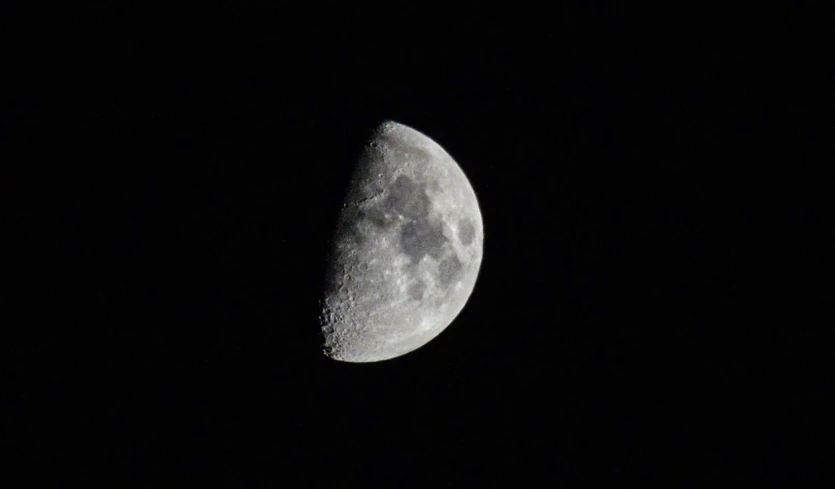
406 252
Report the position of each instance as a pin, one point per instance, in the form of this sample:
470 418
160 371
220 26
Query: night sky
654 301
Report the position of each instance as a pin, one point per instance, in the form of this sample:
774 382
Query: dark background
654 301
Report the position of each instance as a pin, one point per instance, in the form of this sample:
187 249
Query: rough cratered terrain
406 252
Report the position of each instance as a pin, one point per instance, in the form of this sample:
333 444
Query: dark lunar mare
377 217
419 236
449 270
408 199
417 289
466 232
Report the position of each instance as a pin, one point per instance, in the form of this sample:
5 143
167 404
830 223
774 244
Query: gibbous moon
406 252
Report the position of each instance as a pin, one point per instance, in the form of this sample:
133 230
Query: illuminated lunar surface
406 252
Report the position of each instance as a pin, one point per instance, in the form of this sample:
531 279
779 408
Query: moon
406 252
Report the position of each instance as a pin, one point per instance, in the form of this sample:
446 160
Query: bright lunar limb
406 252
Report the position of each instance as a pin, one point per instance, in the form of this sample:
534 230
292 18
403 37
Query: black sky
653 304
